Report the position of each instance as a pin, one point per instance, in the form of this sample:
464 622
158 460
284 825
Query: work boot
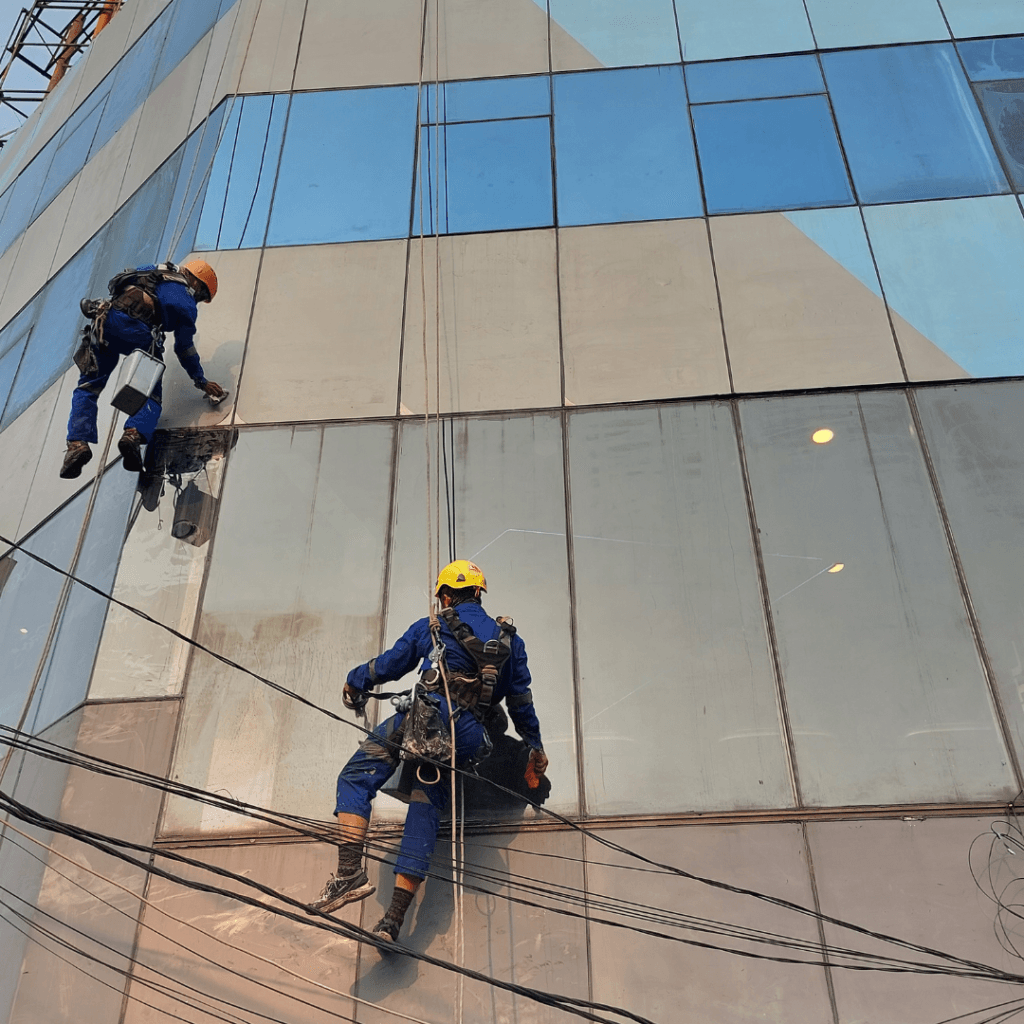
130 447
387 928
77 455
340 890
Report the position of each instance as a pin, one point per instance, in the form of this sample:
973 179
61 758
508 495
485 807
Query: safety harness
475 693
132 292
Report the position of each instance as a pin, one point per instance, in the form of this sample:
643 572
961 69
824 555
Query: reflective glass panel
884 687
491 98
24 193
983 17
989 60
975 437
753 79
294 590
1003 104
55 335
952 270
909 124
352 182
869 22
623 147
9 363
242 178
770 155
189 21
742 28
669 618
507 513
492 175
65 681
620 33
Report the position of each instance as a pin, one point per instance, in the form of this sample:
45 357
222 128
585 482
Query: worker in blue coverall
165 300
458 585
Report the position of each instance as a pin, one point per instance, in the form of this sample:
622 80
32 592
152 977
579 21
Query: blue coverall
124 334
374 762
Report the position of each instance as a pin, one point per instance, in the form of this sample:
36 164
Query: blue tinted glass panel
494 175
910 125
24 193
190 21
620 33
9 363
496 98
770 155
623 147
869 22
742 28
991 60
952 271
1003 103
220 175
130 82
354 181
55 334
753 79
984 17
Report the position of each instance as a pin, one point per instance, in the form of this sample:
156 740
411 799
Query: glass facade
714 307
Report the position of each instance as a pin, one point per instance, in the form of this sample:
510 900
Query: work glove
212 390
535 767
354 699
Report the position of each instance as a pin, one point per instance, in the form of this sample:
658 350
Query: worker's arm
180 313
519 699
403 657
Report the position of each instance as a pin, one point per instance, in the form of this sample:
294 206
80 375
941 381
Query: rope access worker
144 303
461 621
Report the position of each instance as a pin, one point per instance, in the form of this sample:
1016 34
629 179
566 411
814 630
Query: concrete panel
363 42
223 61
139 736
499 322
666 981
220 341
35 257
794 316
99 184
145 13
166 117
272 47
911 879
309 971
486 39
640 316
567 53
325 337
924 359
7 263
527 945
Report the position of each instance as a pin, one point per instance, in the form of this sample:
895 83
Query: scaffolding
47 37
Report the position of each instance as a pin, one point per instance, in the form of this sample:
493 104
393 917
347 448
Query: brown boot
130 447
77 455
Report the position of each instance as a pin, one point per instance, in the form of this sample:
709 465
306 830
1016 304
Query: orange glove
535 767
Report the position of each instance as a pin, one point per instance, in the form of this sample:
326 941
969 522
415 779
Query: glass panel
291 526
660 528
162 565
1003 104
742 28
909 124
869 22
989 60
623 148
24 193
507 514
770 155
951 272
189 21
242 179
493 175
884 687
55 334
352 182
976 439
9 363
619 33
753 79
647 977
495 98
983 17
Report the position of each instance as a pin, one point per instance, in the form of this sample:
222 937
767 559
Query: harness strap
476 693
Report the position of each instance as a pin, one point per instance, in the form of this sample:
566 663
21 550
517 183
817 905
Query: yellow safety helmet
204 272
460 574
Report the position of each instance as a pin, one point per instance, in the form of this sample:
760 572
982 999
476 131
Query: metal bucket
139 376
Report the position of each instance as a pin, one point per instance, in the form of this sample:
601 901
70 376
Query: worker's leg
139 429
84 407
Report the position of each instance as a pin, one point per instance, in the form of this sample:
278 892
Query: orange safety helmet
202 270
461 574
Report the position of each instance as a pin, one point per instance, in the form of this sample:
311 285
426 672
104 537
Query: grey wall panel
666 981
272 47
885 691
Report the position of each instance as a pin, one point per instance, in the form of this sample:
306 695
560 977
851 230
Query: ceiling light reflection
822 436
838 567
